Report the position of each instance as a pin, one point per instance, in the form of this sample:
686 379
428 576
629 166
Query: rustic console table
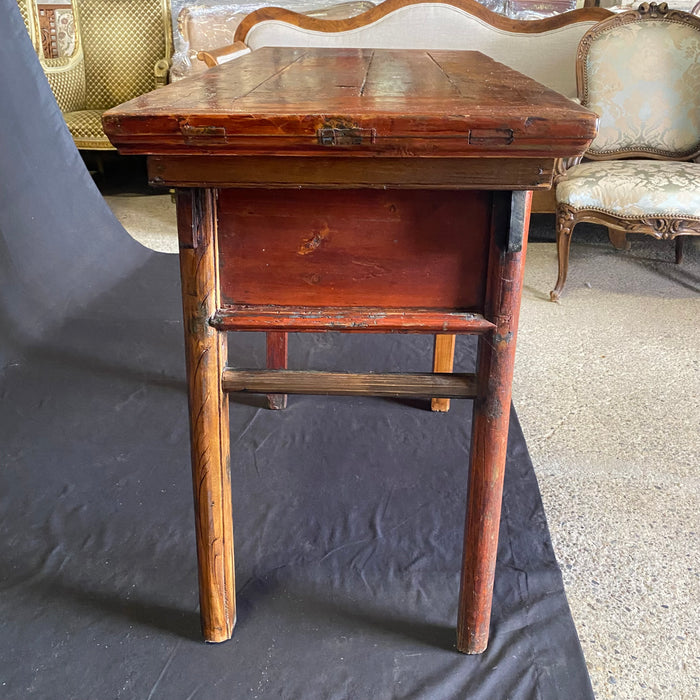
351 190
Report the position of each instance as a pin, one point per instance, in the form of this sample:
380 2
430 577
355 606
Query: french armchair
640 72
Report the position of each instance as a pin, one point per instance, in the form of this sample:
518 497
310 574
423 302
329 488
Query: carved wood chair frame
667 228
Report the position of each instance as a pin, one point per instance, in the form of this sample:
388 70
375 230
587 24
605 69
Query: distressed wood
277 345
205 350
385 8
358 248
351 250
274 101
490 431
300 319
443 361
343 171
414 385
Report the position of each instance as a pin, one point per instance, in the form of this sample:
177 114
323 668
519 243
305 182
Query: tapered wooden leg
565 227
489 441
679 249
443 361
208 408
276 359
618 239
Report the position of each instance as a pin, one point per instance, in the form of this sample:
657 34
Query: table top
376 102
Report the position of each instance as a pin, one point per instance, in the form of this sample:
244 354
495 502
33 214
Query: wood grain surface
378 248
403 103
206 351
415 385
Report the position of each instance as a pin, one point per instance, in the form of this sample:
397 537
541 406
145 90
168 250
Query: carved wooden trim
646 12
663 228
561 165
586 14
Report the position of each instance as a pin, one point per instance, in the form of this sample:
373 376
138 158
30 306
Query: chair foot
566 220
680 240
618 239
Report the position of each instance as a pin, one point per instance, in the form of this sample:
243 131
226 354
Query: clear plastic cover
211 24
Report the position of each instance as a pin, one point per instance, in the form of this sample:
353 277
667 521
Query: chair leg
618 239
680 240
443 361
276 359
565 226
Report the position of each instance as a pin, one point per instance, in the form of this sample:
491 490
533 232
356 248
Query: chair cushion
634 188
85 127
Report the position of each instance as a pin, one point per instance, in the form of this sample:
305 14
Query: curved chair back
640 72
450 25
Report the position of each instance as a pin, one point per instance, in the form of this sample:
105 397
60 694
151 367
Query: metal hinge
345 136
491 137
203 135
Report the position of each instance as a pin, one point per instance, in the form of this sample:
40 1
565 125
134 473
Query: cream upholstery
634 69
634 188
640 71
548 57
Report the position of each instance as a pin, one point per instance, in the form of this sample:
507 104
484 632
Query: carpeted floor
607 391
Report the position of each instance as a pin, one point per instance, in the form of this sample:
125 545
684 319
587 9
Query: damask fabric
643 80
634 188
348 512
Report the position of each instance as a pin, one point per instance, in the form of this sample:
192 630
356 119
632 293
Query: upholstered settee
545 49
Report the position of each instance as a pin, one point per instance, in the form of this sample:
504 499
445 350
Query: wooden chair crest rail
640 71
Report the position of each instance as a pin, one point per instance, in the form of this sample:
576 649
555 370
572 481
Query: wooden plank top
307 101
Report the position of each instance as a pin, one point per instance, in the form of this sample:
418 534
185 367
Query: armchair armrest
215 57
561 165
160 71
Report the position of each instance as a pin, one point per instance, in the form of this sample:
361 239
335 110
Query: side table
351 190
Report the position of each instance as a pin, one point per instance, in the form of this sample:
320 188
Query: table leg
276 359
490 429
208 408
443 361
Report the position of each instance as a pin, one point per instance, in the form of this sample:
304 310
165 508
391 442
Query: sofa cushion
85 127
634 188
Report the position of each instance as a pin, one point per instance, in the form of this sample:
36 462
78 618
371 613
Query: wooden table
351 190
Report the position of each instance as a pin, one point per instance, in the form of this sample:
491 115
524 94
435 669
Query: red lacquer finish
359 191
